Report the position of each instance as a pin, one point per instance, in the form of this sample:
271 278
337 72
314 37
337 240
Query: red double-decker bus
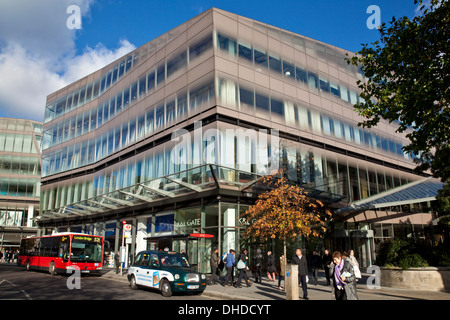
61 252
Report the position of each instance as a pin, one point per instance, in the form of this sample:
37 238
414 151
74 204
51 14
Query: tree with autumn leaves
285 212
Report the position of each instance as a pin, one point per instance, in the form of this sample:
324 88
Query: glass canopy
191 181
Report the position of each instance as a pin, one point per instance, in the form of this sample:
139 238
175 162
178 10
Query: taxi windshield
173 260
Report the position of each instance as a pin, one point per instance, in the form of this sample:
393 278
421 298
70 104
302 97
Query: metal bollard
291 281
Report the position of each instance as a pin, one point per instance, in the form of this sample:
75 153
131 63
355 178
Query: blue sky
39 54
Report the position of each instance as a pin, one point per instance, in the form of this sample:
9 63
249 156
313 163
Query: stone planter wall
431 278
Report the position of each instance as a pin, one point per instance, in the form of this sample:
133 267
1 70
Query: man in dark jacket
214 261
300 260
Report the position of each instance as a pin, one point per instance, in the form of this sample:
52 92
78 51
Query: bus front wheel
51 268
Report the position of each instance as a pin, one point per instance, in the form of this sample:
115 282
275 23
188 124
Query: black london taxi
166 271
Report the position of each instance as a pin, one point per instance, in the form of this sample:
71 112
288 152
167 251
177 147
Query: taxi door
147 273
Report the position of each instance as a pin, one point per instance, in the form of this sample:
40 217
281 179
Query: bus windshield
86 249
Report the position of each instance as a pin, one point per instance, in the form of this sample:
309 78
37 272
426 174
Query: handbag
241 264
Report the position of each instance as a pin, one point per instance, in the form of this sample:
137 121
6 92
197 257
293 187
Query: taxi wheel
166 291
133 284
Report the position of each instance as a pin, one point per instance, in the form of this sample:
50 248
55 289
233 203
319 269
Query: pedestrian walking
282 270
214 262
315 265
230 261
117 262
343 278
300 260
355 264
271 268
258 258
327 261
242 266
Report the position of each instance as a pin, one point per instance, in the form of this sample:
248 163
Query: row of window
20 125
138 89
268 61
309 46
253 101
21 165
17 187
91 91
155 119
311 169
18 142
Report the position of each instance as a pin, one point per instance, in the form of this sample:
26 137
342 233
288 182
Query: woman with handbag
242 266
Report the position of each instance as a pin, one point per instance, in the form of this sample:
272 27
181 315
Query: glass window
160 74
122 140
140 127
246 97
133 93
335 89
112 107
128 64
150 121
60 106
324 85
99 116
353 97
89 92
275 63
18 143
86 122
288 70
170 112
119 102
176 63
181 105
142 86
132 131
82 96
91 152
159 117
226 45
28 144
121 68
313 80
200 47
260 58
301 75
110 143
115 74
151 81
93 119
276 106
262 102
245 51
126 97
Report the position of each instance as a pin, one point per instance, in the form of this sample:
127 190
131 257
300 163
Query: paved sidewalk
267 290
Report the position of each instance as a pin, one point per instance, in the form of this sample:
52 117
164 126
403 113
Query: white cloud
37 54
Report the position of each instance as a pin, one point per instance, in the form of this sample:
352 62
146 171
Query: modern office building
172 138
20 175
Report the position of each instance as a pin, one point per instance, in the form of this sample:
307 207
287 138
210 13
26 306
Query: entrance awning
414 192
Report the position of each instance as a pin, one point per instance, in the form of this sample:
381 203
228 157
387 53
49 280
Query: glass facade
199 108
20 173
